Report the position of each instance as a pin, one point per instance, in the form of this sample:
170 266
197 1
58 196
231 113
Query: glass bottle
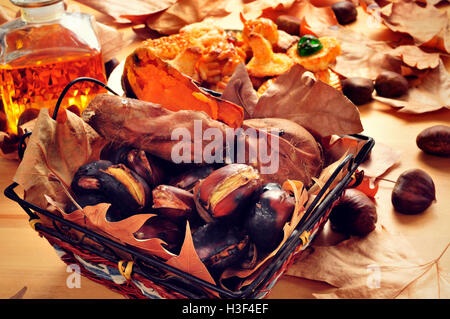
41 52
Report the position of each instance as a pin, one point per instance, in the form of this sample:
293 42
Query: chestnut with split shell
226 192
120 185
173 202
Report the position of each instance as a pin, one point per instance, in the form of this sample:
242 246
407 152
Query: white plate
115 79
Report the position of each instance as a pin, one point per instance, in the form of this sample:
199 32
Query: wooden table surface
29 261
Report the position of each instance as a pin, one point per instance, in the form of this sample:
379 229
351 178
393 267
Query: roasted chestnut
164 229
145 165
268 216
220 245
173 202
226 191
354 214
190 178
120 185
413 192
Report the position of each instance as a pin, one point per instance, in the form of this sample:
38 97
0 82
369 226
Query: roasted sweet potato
149 78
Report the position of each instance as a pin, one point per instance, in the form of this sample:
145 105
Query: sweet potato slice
148 78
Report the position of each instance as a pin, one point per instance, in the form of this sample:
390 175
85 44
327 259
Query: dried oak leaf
296 95
381 265
185 12
94 218
188 260
136 11
58 148
422 23
431 94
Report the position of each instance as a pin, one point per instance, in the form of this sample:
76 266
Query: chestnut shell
220 245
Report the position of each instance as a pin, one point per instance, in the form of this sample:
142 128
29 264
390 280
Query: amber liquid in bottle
41 60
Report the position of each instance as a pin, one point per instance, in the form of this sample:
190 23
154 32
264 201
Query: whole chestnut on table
413 192
354 214
391 84
358 90
435 140
345 11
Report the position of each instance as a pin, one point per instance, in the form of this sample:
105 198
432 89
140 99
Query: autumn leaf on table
296 95
135 11
58 148
380 265
361 56
185 12
433 93
415 57
381 159
427 25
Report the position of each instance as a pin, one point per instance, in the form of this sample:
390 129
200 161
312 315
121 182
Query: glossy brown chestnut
435 140
112 215
268 216
164 229
345 11
145 166
173 202
413 192
391 84
226 191
189 179
354 214
220 245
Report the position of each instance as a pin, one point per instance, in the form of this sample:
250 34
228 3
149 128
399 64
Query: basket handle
22 145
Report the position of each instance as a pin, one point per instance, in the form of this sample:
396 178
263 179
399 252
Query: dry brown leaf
380 265
111 41
361 56
422 23
136 11
57 148
318 107
415 57
4 16
185 12
239 90
382 157
433 93
94 218
315 18
188 260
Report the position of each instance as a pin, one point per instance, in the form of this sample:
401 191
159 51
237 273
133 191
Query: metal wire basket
141 275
